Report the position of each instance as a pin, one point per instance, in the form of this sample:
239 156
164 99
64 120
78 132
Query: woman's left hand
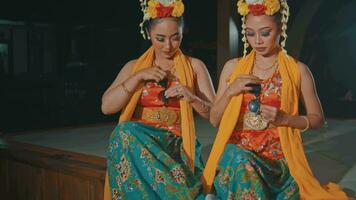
180 91
274 115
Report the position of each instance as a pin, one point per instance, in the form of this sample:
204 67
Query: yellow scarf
290 138
186 77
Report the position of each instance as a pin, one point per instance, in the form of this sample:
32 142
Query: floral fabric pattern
145 162
243 174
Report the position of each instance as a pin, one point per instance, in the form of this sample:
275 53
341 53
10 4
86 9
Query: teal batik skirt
243 174
145 162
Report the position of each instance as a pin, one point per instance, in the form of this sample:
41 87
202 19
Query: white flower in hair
254 1
166 2
146 16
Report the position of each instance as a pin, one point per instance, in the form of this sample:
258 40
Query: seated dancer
153 152
258 151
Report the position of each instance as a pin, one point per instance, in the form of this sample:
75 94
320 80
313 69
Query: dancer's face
166 37
263 33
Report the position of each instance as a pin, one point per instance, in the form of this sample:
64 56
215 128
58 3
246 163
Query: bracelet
205 107
308 124
206 110
125 88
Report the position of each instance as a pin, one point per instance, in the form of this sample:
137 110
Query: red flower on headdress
163 11
257 9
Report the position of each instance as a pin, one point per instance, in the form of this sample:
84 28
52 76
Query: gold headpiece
263 7
153 9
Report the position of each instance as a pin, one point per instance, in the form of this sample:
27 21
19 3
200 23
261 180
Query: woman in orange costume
153 153
258 152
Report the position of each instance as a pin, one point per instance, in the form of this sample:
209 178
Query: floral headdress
153 9
263 7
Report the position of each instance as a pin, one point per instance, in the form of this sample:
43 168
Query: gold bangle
125 88
205 107
206 110
308 124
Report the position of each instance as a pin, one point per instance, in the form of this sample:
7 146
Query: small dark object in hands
256 88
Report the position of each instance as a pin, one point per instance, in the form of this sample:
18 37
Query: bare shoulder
129 65
230 66
198 66
126 70
200 71
304 69
132 62
231 63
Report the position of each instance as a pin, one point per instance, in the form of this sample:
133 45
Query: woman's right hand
239 84
151 73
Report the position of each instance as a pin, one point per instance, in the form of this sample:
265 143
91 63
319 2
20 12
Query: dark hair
150 23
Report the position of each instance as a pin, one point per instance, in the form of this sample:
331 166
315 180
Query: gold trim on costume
162 115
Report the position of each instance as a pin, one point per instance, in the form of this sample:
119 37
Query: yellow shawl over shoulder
186 77
290 138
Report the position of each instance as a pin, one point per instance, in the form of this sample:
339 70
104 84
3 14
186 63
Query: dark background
58 57
88 43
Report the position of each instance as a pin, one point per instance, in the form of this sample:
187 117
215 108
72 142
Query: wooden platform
30 170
